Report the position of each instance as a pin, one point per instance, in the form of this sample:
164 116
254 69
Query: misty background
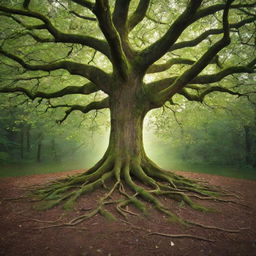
216 137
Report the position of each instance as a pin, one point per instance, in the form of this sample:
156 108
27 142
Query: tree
121 48
220 131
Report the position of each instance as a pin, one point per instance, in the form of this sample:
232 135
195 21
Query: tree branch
102 11
189 16
96 105
155 51
120 16
26 4
191 73
218 7
200 97
60 37
156 68
82 16
85 89
156 21
139 14
87 4
203 36
207 79
162 84
92 73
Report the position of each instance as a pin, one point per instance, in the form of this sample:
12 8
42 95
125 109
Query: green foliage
24 127
210 133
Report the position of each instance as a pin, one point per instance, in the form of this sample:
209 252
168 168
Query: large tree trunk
124 162
126 140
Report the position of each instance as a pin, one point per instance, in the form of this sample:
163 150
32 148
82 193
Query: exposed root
182 236
136 182
45 221
14 198
219 200
168 235
213 227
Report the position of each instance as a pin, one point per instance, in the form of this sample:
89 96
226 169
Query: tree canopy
178 47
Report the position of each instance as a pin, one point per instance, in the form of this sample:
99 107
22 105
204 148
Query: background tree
25 125
120 49
220 133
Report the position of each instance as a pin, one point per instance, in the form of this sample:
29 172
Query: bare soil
23 230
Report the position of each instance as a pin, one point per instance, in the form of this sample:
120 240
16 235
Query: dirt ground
23 230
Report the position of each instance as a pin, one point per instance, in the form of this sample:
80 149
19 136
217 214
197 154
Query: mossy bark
126 164
127 115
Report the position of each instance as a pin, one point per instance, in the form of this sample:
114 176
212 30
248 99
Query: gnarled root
135 180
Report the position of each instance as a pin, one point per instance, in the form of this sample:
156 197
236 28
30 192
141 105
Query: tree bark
127 115
248 145
39 148
124 162
22 142
28 128
53 149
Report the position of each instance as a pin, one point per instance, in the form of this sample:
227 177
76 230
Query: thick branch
155 51
155 68
191 73
38 38
92 73
159 85
87 4
92 42
102 11
207 79
120 16
26 4
139 14
85 89
96 105
203 36
200 97
150 54
218 7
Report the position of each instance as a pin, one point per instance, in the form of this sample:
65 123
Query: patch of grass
23 169
13 170
171 163
243 172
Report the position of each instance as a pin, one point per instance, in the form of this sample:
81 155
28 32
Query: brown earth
23 230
